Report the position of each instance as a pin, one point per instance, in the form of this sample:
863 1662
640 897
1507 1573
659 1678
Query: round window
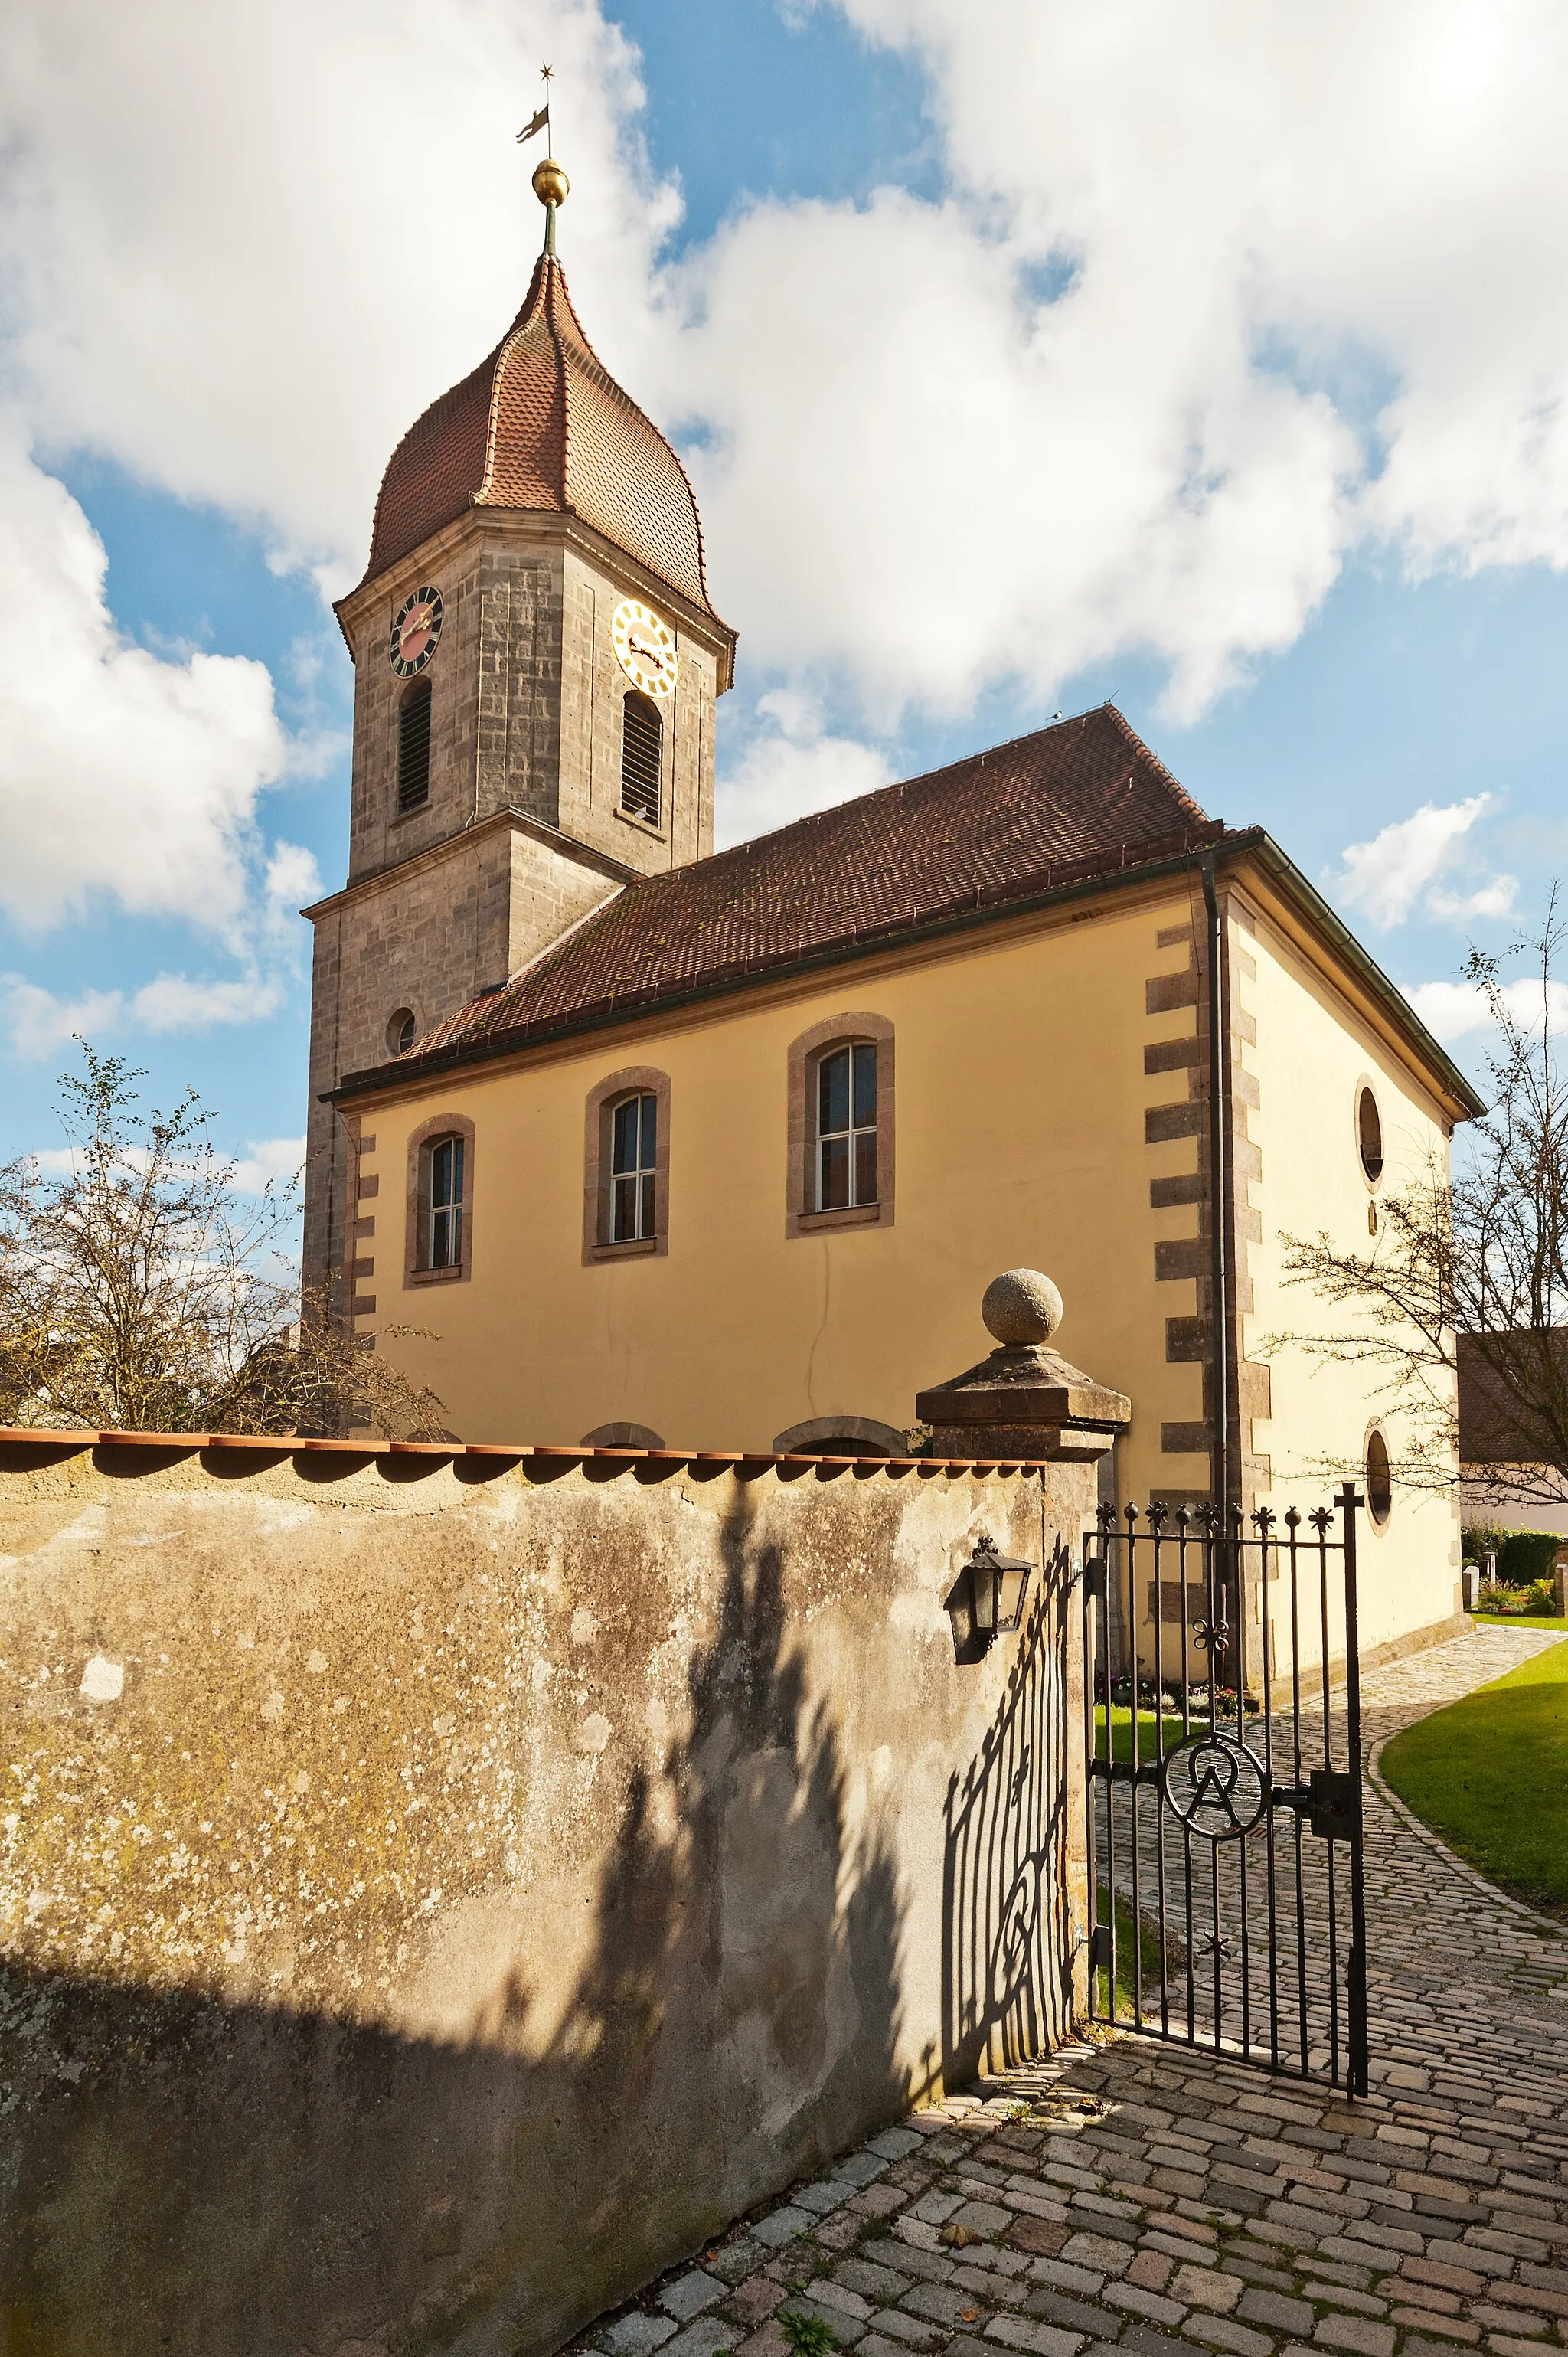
1370 1136
400 1032
1379 1478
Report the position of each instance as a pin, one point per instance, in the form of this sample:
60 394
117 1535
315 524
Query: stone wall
438 1890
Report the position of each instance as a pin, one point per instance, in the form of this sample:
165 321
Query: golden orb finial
551 185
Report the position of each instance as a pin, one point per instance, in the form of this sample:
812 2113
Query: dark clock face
415 631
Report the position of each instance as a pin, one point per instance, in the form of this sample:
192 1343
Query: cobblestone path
1164 2202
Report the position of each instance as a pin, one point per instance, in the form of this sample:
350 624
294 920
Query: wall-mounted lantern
987 1598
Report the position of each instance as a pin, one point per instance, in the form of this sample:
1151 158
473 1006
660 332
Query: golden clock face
645 647
415 631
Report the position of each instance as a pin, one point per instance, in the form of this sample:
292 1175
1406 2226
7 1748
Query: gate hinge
1330 1800
1096 1577
1100 1948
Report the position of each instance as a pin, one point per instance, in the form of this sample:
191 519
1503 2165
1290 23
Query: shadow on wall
193 2177
1006 1913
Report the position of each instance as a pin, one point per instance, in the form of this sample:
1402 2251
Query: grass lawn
1516 1621
1122 1731
1490 1774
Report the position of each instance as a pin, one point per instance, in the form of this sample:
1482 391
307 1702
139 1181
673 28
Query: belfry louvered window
641 758
414 747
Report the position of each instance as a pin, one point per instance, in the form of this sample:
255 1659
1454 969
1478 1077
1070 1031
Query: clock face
415 631
645 647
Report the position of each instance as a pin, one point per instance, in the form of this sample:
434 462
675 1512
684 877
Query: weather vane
551 185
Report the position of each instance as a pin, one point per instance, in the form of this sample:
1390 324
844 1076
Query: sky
1023 355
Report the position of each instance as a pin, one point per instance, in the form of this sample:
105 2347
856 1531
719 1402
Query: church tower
536 662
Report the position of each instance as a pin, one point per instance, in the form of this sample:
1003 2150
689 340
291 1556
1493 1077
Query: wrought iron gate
1223 1737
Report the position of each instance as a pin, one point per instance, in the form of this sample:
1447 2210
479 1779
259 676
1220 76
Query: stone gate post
1024 1802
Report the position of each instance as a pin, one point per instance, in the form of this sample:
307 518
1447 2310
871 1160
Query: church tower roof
541 424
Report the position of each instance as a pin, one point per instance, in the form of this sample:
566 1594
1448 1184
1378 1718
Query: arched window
401 1030
1370 1136
641 758
1379 1478
634 1164
414 749
840 1140
440 1231
846 1126
445 1214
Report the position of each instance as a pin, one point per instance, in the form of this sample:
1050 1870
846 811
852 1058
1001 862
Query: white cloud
1459 1010
1214 296
269 1161
122 775
1408 861
40 1022
790 769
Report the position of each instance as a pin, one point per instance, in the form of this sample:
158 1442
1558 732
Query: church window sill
629 1248
854 1215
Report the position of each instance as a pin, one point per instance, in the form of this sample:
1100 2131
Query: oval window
1379 1478
1370 1136
400 1032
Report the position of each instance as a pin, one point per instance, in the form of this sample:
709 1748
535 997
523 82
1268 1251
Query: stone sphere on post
1021 1305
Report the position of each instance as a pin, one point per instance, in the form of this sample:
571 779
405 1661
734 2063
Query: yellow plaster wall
1019 1095
1311 1056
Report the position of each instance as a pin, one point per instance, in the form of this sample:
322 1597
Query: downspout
1219 1338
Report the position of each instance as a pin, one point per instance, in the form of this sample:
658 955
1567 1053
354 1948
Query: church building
654 1145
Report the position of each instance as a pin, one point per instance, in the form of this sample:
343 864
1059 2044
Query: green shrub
1523 1557
1526 1556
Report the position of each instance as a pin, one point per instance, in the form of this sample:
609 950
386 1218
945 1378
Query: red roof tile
1068 802
540 425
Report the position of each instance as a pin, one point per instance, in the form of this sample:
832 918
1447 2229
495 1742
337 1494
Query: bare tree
143 1292
1472 1270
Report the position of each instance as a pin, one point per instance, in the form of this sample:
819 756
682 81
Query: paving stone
753 2301
1224 2332
827 2193
1136 2301
734 2260
766 2341
703 2338
936 2209
1039 2340
895 2144
871 2279
1358 2333
782 2225
846 2328
1274 2310
910 2331
1207 2287
839 2296
691 2293
942 2304
879 2200
1096 2251
986 2218
635 2334
1066 2274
